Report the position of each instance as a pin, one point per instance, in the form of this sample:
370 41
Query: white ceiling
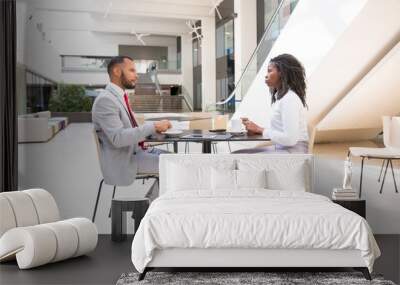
160 17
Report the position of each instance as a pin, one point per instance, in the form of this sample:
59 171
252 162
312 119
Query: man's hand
252 128
162 126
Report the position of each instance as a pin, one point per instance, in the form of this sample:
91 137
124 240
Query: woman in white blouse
288 126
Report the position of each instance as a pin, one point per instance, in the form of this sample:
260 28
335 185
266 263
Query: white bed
221 211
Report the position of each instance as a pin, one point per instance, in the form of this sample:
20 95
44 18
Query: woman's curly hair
293 76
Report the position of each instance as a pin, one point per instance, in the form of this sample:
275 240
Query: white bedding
251 218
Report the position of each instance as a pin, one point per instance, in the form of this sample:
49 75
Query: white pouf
31 233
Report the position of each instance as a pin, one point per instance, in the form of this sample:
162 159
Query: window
224 39
196 53
84 63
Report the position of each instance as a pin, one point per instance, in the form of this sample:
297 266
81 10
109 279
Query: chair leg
229 146
361 176
394 178
214 148
97 200
113 195
380 174
384 176
187 150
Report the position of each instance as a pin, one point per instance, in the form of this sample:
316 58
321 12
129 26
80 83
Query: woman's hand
252 127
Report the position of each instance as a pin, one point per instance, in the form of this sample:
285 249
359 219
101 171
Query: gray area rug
269 278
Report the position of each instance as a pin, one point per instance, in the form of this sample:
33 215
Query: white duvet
257 218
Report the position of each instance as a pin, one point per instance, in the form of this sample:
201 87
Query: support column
208 63
245 34
187 65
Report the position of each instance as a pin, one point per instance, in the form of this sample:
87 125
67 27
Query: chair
32 233
143 176
391 151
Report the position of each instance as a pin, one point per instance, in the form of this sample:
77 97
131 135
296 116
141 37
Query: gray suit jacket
118 140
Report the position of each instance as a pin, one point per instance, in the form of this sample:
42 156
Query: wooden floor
110 260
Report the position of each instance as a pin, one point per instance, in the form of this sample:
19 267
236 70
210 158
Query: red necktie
132 117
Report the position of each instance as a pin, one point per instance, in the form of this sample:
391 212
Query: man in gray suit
122 151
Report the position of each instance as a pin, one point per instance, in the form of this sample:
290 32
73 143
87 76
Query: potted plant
70 101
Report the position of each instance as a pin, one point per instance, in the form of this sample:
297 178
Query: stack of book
344 194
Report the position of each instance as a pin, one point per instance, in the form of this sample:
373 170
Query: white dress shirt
288 123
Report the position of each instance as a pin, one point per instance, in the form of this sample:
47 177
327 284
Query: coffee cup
236 125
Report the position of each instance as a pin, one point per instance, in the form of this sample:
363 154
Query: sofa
39 127
32 233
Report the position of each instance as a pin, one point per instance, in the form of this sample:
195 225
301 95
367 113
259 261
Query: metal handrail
269 25
187 99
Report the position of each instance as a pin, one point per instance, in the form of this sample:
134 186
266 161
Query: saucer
217 130
237 133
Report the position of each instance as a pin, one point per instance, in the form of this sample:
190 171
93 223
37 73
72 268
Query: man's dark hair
116 60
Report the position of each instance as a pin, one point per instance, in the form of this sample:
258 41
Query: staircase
144 85
147 99
157 103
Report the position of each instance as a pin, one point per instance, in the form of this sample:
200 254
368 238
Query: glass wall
270 7
197 78
225 61
38 92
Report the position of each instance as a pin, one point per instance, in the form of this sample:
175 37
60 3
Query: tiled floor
110 260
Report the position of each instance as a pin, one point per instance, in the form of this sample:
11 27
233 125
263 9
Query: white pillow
229 179
293 180
223 179
282 173
182 177
251 178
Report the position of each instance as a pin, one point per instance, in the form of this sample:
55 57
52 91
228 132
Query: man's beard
126 83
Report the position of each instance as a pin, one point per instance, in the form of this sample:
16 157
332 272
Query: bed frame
242 259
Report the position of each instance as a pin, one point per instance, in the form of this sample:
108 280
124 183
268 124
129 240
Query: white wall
106 44
187 64
245 31
66 32
309 34
22 18
370 37
33 50
208 63
377 94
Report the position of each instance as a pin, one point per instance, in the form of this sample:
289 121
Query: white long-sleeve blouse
288 123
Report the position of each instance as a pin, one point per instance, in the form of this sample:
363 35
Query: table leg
384 176
394 178
380 174
361 176
206 147
118 222
175 147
